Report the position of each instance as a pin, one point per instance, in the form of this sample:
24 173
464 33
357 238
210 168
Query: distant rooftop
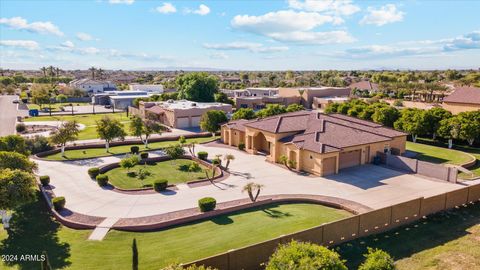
468 95
187 104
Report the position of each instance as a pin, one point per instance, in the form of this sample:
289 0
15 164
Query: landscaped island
174 171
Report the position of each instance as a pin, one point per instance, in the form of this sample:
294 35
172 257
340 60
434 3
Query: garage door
196 121
349 159
329 165
182 122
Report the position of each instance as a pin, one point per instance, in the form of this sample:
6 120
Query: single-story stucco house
320 144
463 99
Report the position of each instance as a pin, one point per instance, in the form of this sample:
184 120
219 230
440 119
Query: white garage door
196 121
182 122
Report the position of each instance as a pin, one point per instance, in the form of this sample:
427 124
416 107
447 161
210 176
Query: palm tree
57 71
93 69
51 71
44 70
228 158
100 73
250 188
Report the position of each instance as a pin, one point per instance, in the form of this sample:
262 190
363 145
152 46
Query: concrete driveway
370 185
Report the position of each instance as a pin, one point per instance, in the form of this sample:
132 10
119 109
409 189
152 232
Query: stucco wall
457 108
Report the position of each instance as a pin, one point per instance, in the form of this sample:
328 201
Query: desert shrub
183 167
207 204
58 203
194 167
377 259
216 161
298 255
129 162
102 180
241 146
20 128
45 180
160 185
398 103
93 172
202 155
134 150
144 155
292 163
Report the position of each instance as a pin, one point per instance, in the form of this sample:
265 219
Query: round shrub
102 180
241 146
216 161
144 155
377 259
20 128
160 185
135 149
93 172
298 255
207 204
58 203
45 180
202 155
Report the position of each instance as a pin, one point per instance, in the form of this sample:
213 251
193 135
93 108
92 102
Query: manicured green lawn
89 120
56 106
101 152
436 154
168 170
34 231
449 240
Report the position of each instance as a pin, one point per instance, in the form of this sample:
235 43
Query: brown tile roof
324 133
237 124
364 85
156 109
469 95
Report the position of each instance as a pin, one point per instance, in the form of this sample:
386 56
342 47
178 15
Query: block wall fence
334 233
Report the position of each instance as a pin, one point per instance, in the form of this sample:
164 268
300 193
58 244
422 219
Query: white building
150 88
120 100
92 86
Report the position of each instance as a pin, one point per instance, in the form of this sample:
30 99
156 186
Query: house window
311 157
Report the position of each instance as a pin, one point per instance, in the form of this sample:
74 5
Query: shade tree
109 129
67 132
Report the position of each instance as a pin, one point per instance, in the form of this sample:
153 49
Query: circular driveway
370 185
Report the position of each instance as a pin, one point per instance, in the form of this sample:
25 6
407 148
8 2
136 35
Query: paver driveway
370 185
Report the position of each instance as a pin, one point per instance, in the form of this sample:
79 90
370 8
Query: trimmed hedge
160 185
102 180
207 204
144 155
93 172
134 149
202 155
20 127
241 146
58 203
45 180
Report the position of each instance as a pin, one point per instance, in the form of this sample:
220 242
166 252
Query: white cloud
250 46
292 26
384 15
124 2
68 44
24 44
218 55
88 50
201 10
338 7
166 8
35 27
84 36
465 42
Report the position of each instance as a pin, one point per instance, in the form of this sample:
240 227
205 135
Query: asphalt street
8 115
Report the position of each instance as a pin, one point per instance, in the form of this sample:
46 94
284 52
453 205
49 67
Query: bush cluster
93 172
45 180
217 161
20 127
207 204
144 155
160 185
202 155
192 167
134 150
241 146
38 144
102 180
58 203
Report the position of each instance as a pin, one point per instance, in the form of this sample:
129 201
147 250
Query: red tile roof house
318 143
364 85
463 99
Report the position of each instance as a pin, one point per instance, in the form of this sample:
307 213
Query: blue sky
246 35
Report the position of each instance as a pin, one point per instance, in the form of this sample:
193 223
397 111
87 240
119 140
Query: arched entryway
261 144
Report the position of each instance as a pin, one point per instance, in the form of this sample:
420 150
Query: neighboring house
260 102
150 88
463 99
364 86
315 97
320 144
179 113
92 86
120 100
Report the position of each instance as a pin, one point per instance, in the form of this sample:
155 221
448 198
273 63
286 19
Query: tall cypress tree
134 255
